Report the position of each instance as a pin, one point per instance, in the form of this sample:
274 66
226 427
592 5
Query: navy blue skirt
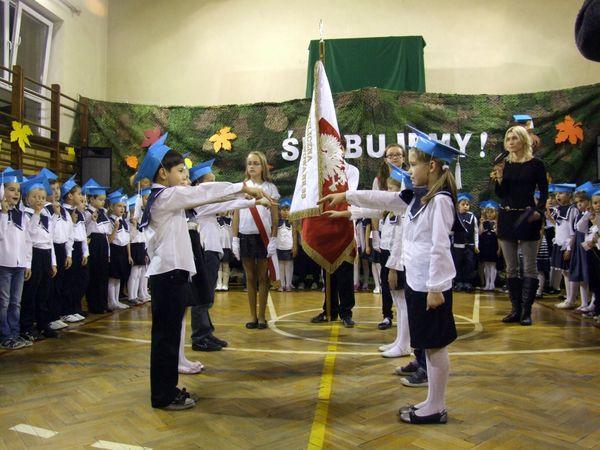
557 261
578 267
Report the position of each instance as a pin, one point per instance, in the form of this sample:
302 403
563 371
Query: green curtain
394 63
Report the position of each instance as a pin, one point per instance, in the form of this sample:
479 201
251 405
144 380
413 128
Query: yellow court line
316 439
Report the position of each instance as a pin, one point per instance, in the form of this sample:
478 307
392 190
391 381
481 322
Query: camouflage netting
264 126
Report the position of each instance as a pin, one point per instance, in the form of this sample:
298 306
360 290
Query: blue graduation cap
67 186
51 176
435 148
37 182
400 175
12 176
152 160
145 191
131 201
551 188
596 192
464 196
201 169
117 197
564 187
491 204
523 119
285 203
588 187
91 187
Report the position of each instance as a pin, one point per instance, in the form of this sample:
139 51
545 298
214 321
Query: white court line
476 307
117 446
34 431
272 310
317 352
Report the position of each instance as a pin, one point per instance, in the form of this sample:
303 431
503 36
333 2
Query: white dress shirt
62 229
122 237
208 226
285 239
246 223
41 236
79 231
101 225
564 229
168 241
426 254
15 242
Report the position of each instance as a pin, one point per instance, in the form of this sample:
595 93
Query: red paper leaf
150 137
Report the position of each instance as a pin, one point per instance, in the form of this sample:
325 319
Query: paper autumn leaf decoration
221 140
570 130
132 161
20 133
150 137
70 154
188 163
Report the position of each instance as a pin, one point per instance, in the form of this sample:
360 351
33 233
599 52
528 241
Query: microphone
500 158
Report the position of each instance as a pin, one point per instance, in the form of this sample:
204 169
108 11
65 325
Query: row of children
54 237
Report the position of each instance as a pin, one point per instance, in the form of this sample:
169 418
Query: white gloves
272 247
235 247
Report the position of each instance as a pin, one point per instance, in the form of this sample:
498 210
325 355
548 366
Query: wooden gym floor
298 385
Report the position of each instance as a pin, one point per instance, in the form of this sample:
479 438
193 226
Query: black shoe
409 369
181 401
49 333
252 325
348 322
468 288
385 324
530 286
28 336
412 418
206 345
216 340
319 318
417 379
515 294
263 325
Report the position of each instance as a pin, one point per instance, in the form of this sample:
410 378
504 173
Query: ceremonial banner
322 171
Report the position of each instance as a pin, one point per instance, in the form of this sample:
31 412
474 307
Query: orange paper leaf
132 161
569 130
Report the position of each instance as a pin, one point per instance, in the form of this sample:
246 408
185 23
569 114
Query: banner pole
321 43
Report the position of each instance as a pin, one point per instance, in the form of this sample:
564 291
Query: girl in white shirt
120 252
286 246
254 245
427 225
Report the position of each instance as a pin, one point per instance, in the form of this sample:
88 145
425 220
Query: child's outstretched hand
255 192
434 300
264 201
333 199
337 214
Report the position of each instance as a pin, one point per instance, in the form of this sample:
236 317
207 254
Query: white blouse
246 223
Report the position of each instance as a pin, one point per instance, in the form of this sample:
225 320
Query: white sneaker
70 318
376 290
79 317
120 305
225 288
386 347
219 287
396 352
57 325
565 305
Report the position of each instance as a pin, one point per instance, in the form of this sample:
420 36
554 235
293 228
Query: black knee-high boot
530 286
515 287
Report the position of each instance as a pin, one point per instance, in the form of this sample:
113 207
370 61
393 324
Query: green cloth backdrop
264 127
394 63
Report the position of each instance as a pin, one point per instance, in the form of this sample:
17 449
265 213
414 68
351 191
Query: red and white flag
322 171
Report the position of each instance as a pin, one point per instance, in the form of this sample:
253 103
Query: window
26 41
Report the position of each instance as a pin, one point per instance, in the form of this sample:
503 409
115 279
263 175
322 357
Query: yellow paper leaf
70 154
188 163
222 139
20 134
